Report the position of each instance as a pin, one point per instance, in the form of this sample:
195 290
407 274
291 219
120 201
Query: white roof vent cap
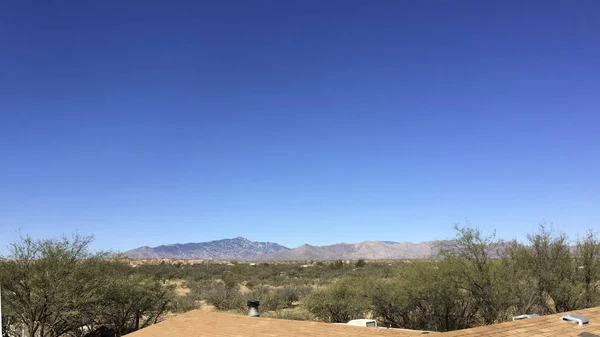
525 316
574 318
370 323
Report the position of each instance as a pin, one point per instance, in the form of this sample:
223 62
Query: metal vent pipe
253 308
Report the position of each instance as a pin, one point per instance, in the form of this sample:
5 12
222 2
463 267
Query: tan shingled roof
544 326
198 323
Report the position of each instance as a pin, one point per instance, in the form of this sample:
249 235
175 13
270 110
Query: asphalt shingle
198 323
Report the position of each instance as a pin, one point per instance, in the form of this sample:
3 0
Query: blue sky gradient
155 122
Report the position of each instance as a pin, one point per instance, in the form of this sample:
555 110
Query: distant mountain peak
242 239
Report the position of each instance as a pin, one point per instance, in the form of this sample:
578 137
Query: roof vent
253 308
370 323
525 316
574 318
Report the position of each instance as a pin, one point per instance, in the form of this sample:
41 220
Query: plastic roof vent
525 316
574 318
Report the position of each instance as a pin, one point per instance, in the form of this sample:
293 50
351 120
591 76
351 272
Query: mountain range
243 249
228 249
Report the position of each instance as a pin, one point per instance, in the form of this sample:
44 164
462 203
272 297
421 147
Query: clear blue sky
155 122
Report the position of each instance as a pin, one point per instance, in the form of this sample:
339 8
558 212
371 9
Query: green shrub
339 264
298 314
185 303
342 301
223 297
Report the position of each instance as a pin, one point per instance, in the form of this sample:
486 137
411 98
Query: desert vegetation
58 288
